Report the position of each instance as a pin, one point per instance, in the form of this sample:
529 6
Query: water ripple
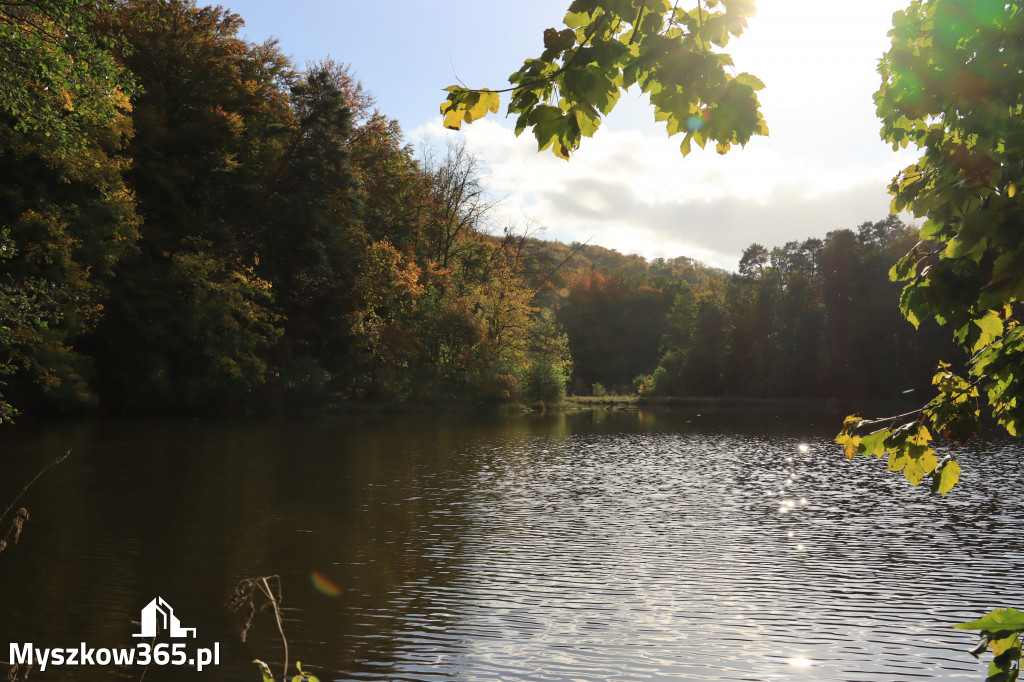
704 557
557 548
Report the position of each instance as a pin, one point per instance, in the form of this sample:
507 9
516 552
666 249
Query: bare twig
579 248
245 596
565 66
276 602
152 643
17 673
29 484
21 515
883 420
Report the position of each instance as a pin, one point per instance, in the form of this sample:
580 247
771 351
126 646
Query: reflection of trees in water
185 509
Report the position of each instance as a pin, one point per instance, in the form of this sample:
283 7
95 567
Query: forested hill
817 318
206 226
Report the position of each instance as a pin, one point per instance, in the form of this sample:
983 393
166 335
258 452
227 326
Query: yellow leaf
948 477
850 446
928 461
1001 646
65 100
453 115
482 102
913 472
491 99
917 468
898 460
921 436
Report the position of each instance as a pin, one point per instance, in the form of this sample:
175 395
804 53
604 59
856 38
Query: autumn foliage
245 232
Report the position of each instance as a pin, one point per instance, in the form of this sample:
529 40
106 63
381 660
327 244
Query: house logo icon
158 616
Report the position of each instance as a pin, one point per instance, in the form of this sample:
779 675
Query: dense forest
228 230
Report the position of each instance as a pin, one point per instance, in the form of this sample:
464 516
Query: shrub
545 382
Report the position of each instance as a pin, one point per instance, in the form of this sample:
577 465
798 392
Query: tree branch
560 71
636 24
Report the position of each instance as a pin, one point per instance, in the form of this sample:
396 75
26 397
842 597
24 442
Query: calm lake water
583 546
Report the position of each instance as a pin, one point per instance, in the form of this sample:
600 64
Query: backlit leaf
873 443
1000 620
917 467
948 477
991 326
605 47
898 460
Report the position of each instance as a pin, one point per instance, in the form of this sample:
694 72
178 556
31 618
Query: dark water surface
583 546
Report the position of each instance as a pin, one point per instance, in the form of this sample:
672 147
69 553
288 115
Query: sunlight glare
800 662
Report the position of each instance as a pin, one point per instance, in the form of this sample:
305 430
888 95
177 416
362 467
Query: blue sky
823 167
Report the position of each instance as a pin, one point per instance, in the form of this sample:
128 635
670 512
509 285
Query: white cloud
633 191
823 166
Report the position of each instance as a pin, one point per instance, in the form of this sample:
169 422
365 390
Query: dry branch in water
246 594
21 515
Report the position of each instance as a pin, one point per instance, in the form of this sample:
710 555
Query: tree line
237 229
212 226
818 318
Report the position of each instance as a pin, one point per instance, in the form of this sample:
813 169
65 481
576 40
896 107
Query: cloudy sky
823 166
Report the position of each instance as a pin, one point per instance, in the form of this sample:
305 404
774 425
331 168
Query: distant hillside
613 306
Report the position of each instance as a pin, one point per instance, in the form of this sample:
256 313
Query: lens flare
324 585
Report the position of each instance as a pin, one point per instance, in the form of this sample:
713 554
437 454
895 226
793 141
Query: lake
692 544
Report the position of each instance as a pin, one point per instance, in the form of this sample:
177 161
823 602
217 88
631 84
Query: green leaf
753 82
608 46
904 269
303 676
873 443
1000 620
559 41
991 326
588 122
